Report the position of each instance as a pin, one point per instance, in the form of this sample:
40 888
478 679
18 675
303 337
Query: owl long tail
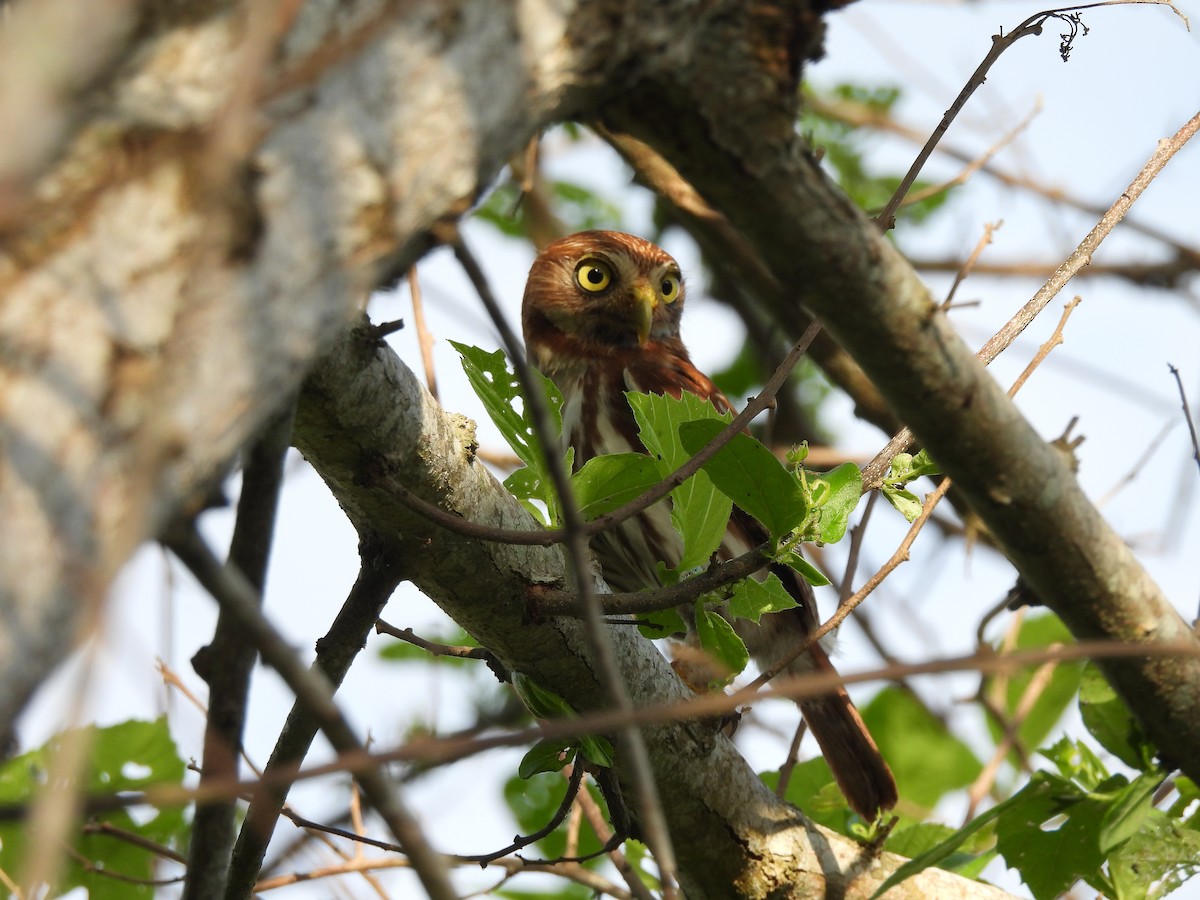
856 763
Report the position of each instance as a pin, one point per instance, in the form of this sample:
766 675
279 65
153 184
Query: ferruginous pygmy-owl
601 317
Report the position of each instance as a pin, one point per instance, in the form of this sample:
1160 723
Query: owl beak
645 301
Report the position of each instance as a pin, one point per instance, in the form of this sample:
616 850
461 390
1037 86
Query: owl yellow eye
669 288
593 276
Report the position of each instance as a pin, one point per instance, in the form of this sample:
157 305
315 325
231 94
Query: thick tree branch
757 172
368 426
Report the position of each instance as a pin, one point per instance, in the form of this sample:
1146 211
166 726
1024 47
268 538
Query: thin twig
227 661
700 706
1185 258
1187 413
574 780
899 556
875 471
377 578
987 776
431 647
595 817
314 691
133 838
424 338
793 756
1043 351
976 164
1000 43
550 601
857 533
965 268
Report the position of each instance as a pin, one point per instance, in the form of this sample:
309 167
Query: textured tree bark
368 426
218 191
221 185
839 266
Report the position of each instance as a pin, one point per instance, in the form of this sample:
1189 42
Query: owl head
598 290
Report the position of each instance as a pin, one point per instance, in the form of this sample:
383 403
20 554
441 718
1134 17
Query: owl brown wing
853 757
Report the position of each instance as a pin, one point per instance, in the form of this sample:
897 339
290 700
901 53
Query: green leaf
1129 812
1111 723
500 392
1076 761
597 749
970 856
721 642
750 475
838 502
607 482
906 467
1049 831
661 624
547 755
927 760
1038 632
534 801
699 512
807 570
1156 860
542 703
945 851
130 756
906 502
526 485
580 207
752 598
583 208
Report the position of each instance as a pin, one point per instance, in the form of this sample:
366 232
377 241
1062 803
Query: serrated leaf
500 392
1076 761
1129 812
838 502
751 598
750 475
1111 723
1049 832
807 570
699 512
721 642
607 482
547 755
1155 861
906 502
944 851
923 464
661 624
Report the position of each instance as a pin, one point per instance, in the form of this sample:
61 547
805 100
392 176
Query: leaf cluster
1075 820
792 504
